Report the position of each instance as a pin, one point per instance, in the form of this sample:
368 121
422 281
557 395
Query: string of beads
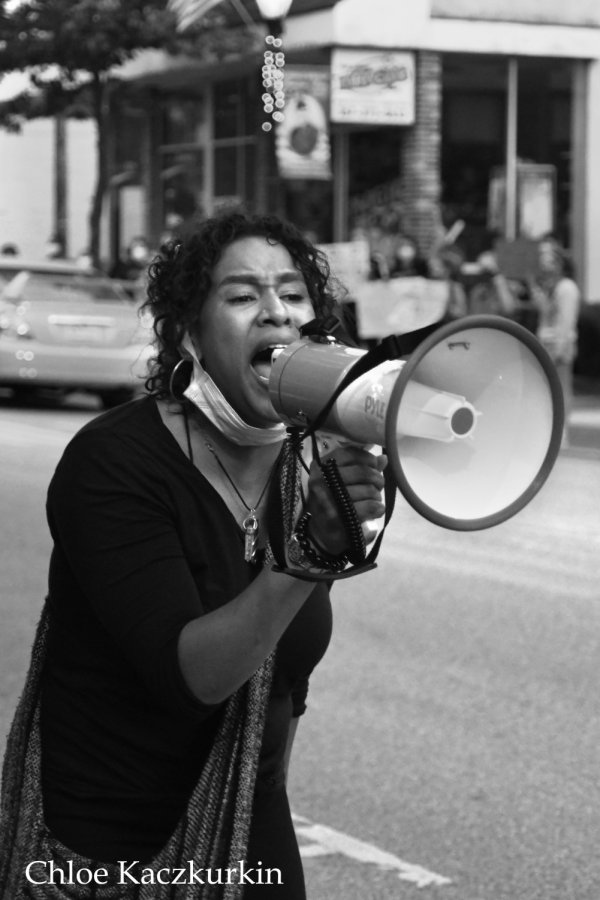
273 82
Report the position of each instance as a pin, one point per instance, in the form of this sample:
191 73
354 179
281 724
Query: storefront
433 111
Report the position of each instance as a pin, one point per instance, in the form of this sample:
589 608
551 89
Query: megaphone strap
275 510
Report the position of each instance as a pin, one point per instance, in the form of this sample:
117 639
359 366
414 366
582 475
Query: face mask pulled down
206 396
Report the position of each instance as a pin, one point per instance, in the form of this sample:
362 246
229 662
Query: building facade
425 113
27 207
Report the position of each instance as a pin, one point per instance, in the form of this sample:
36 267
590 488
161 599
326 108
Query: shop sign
387 194
302 139
399 305
372 88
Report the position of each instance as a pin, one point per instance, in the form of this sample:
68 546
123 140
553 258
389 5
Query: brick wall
420 156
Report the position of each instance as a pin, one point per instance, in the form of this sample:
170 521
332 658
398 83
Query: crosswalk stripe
585 418
325 841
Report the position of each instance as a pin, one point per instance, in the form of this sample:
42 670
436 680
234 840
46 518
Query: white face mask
205 395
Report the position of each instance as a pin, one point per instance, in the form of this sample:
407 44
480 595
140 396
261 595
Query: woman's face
549 260
258 300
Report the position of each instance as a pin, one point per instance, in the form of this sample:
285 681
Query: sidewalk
585 418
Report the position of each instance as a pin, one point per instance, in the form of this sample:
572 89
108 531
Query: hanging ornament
273 81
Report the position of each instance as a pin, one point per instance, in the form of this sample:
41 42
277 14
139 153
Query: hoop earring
172 378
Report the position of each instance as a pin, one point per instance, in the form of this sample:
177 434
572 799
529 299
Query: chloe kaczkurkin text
131 873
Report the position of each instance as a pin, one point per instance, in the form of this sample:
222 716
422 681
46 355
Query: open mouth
261 362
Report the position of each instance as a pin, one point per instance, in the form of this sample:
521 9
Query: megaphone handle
276 530
358 549
329 442
369 563
347 511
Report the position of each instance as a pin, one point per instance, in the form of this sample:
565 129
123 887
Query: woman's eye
242 298
293 297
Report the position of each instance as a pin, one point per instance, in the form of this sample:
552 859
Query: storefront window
473 147
226 181
475 118
182 120
250 173
374 179
182 159
236 106
182 178
128 133
227 109
474 139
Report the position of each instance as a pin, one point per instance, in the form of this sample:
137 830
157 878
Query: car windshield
60 289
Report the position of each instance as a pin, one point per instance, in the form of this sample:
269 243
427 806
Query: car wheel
116 397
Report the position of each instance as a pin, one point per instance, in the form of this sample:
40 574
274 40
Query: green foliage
71 48
85 35
68 45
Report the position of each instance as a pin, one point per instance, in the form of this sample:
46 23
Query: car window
64 289
10 267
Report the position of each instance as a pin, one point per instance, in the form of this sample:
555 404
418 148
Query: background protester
136 261
558 300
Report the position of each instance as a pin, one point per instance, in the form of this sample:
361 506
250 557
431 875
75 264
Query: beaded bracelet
302 552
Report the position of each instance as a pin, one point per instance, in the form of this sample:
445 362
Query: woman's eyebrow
249 278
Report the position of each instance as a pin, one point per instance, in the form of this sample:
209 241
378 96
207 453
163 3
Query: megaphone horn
471 422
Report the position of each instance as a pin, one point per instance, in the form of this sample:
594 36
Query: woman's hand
362 475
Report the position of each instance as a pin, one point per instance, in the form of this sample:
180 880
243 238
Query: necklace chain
250 523
251 509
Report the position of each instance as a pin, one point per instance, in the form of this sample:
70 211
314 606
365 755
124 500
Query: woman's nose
275 311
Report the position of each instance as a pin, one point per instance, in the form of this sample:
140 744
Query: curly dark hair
180 279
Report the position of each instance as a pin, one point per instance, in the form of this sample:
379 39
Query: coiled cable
357 551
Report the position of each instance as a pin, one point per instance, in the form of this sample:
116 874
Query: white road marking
325 841
585 418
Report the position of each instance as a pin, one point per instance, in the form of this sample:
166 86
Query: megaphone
471 421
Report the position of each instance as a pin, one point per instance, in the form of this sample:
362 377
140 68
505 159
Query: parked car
12 265
72 332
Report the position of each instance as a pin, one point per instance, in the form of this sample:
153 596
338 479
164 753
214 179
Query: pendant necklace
250 523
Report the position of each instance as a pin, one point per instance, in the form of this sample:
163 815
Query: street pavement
451 748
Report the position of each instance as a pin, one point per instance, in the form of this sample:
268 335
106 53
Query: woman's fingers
363 491
369 509
356 465
355 475
351 454
361 473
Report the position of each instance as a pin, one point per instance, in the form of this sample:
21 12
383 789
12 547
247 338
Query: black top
143 544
